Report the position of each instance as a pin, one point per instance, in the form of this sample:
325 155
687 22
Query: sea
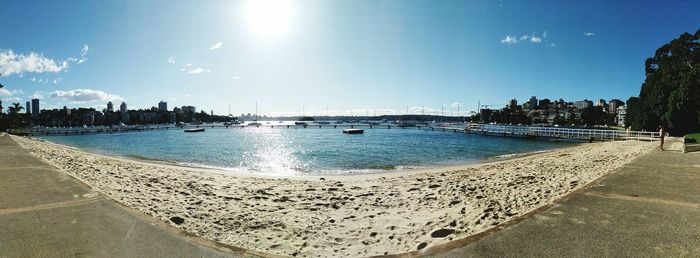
308 151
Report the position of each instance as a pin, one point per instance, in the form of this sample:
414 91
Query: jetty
548 132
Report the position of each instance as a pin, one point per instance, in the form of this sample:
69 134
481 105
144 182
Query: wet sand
359 215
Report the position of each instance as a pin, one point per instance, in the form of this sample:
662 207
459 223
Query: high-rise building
28 109
585 103
512 104
110 107
35 107
189 109
533 102
162 106
124 113
544 104
613 104
600 103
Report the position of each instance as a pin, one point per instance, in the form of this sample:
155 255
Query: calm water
307 151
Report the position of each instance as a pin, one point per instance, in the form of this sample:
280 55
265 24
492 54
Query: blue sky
344 56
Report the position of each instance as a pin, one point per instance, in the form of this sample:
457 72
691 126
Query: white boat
254 124
194 130
353 131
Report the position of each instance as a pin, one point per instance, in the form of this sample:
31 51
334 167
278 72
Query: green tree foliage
593 116
670 94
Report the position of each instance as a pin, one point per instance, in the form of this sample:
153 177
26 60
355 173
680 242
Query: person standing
662 135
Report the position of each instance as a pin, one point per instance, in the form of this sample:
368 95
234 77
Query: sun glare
269 18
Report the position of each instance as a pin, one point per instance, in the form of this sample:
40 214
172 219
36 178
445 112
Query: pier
562 133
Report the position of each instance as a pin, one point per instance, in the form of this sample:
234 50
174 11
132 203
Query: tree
15 118
670 94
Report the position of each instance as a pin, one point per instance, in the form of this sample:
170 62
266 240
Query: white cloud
84 95
57 80
83 54
509 40
551 44
197 70
216 45
32 79
531 38
171 60
5 92
12 63
236 77
38 95
456 104
588 34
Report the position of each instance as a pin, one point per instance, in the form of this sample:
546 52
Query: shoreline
361 215
367 175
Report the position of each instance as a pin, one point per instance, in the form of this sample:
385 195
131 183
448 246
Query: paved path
46 213
648 208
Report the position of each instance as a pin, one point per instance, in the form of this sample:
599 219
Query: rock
422 245
443 232
177 220
453 223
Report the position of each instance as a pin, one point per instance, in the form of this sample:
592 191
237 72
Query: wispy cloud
5 92
236 77
527 38
509 40
13 63
57 80
216 45
588 34
84 95
171 60
197 70
83 54
38 95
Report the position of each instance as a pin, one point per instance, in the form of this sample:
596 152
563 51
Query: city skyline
297 57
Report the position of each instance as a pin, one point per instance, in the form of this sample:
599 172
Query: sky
329 57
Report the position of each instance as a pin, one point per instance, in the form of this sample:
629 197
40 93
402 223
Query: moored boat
194 130
353 131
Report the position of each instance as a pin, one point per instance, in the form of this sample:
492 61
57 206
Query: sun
269 18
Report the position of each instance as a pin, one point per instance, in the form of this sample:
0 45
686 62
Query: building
189 109
613 104
581 104
601 103
28 109
513 104
110 107
533 102
124 112
162 106
544 104
35 107
620 116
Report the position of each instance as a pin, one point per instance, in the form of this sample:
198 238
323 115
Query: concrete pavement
46 213
648 208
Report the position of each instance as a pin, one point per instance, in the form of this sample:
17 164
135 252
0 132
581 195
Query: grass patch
692 138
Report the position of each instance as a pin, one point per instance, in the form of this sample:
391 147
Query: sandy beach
362 215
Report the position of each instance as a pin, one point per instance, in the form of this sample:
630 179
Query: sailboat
255 122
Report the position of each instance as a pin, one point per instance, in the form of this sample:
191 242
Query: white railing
558 132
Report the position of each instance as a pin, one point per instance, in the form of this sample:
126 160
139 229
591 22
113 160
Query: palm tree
16 120
15 108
